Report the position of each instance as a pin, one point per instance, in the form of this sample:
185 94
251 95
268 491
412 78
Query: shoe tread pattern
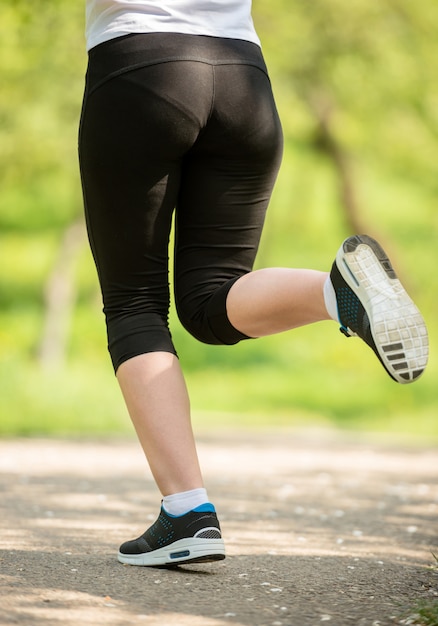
397 328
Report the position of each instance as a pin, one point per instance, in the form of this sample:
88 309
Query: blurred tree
42 60
60 297
359 77
41 66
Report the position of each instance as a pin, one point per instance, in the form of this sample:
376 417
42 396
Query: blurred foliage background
357 92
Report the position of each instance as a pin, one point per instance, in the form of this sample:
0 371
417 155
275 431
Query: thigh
226 186
135 130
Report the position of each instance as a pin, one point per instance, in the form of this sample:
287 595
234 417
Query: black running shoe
373 305
191 538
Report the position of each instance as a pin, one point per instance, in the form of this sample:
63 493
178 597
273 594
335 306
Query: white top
107 19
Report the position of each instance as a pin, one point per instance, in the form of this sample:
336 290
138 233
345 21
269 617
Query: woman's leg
132 139
273 300
156 397
229 176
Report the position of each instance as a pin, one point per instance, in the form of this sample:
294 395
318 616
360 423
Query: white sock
330 299
185 501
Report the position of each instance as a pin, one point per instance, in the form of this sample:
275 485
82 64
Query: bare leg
273 300
156 396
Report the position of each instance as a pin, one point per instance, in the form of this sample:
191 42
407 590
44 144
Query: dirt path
318 529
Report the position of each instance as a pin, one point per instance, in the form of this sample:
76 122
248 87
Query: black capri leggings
180 123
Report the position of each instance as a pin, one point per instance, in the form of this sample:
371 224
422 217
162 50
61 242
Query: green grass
424 612
66 401
427 611
312 376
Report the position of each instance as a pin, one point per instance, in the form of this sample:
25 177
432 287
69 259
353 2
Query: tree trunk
59 298
326 142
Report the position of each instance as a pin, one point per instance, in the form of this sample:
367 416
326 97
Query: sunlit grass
72 400
313 376
424 612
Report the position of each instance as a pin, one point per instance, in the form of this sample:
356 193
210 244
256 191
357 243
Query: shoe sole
397 326
182 551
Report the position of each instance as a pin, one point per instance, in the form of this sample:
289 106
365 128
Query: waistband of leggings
130 52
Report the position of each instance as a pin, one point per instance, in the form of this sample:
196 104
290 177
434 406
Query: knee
208 321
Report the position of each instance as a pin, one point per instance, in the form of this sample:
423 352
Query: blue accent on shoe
208 507
173 516
344 330
202 508
179 555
